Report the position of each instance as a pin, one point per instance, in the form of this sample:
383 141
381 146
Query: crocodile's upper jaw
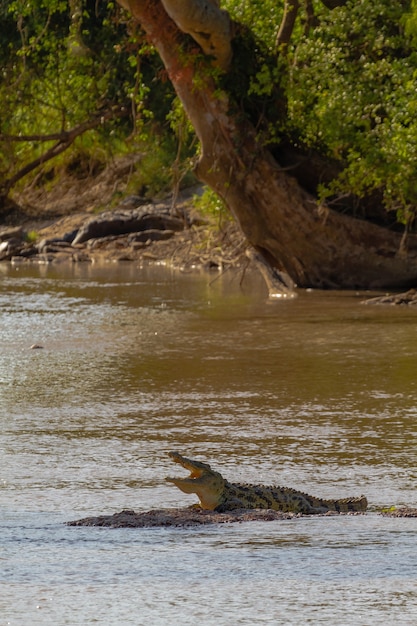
207 484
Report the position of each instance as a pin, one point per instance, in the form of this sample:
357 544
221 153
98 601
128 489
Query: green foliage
210 205
254 85
261 17
349 80
32 236
154 174
351 94
345 88
64 63
410 23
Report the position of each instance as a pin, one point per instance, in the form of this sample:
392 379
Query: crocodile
218 494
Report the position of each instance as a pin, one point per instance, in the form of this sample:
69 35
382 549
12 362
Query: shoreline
133 232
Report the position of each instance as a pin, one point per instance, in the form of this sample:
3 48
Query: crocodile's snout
207 484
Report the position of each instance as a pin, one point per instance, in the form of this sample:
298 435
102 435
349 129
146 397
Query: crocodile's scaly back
216 493
246 496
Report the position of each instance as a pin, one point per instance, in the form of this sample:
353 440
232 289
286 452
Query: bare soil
86 193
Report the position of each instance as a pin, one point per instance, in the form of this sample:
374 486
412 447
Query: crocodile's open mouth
206 483
195 468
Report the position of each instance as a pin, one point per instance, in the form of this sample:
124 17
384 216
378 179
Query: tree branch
291 8
203 20
52 137
311 19
207 24
63 140
287 25
332 4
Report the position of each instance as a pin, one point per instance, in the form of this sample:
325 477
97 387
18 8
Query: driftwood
149 217
395 299
279 284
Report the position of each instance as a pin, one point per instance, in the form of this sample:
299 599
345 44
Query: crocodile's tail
348 504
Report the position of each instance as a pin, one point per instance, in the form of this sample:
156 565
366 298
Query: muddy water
318 393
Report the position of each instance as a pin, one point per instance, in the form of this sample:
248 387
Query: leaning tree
310 242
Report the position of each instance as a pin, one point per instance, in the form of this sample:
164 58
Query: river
318 393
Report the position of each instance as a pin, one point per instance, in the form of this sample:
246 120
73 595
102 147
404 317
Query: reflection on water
318 393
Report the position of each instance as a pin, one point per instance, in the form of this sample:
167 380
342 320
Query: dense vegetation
343 88
76 82
349 78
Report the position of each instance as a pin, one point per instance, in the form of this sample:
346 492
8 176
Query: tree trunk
316 247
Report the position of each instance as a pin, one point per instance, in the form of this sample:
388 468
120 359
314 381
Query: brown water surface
317 393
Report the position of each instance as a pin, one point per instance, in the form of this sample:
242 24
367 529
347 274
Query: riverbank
98 219
132 232
135 231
